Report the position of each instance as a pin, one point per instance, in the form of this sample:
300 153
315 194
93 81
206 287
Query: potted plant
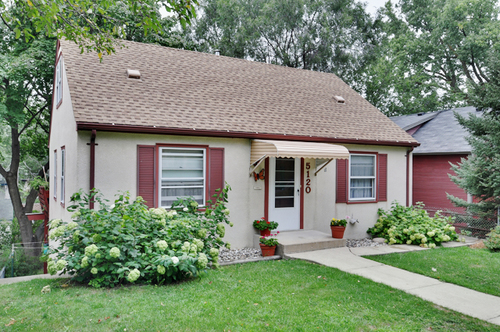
265 226
338 227
268 245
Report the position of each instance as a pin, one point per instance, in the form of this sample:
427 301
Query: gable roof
192 93
441 133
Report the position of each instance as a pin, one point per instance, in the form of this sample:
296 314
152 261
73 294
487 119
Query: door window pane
284 187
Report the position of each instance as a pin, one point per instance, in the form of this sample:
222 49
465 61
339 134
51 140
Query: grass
287 295
472 268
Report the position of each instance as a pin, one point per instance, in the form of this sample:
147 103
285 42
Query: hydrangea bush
413 225
128 242
492 241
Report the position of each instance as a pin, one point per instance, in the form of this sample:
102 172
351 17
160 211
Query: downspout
408 153
92 166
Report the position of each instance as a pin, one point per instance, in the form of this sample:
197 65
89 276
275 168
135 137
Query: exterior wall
63 133
366 213
116 170
431 180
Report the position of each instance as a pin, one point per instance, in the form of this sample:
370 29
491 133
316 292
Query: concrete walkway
457 298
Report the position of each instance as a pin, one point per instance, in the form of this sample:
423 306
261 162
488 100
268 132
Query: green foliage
269 240
262 224
338 222
326 35
39 182
24 265
94 25
479 173
413 225
129 242
430 49
492 241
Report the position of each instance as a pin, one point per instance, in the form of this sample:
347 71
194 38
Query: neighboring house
163 123
442 142
6 210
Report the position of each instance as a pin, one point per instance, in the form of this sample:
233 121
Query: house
442 142
162 123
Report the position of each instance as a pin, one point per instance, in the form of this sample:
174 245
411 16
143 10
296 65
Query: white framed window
63 171
182 174
58 82
362 177
55 175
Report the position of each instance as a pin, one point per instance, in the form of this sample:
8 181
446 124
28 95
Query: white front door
284 192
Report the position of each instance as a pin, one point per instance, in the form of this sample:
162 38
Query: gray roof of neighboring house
198 92
440 132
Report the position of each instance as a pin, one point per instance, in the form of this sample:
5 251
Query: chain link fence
465 221
17 260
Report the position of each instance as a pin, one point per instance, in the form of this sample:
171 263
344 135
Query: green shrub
127 242
413 225
492 241
24 265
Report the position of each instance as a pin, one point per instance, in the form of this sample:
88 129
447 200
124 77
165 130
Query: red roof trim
214 133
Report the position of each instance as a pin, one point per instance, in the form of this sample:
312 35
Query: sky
373 5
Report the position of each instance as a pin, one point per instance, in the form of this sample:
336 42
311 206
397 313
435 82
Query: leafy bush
129 242
268 240
492 241
413 225
261 224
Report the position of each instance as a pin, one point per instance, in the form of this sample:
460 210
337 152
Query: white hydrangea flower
202 261
94 270
198 243
71 225
133 275
214 252
51 267
61 264
85 262
161 269
54 223
162 245
114 252
175 260
91 250
185 209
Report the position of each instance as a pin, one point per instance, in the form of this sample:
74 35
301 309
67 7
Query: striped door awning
261 149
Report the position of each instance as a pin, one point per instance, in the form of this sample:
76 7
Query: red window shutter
215 171
146 173
382 177
342 165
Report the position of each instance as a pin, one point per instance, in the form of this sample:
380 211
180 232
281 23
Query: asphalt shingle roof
441 134
189 90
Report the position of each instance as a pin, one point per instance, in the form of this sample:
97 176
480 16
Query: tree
479 175
94 25
431 49
323 35
26 73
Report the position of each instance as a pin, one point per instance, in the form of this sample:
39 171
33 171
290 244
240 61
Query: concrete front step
306 240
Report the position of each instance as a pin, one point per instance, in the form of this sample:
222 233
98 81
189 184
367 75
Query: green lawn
287 295
476 269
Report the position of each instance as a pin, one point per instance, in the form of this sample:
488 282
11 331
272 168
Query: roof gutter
92 167
233 134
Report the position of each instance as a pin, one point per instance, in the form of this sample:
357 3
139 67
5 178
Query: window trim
375 179
63 174
55 176
205 149
58 81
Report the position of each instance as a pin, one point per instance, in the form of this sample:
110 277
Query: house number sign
308 178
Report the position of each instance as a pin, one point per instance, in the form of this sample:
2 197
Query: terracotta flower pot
265 232
337 231
267 250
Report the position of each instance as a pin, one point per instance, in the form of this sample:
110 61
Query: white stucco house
162 123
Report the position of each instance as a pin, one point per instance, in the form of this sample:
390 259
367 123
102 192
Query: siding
431 181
